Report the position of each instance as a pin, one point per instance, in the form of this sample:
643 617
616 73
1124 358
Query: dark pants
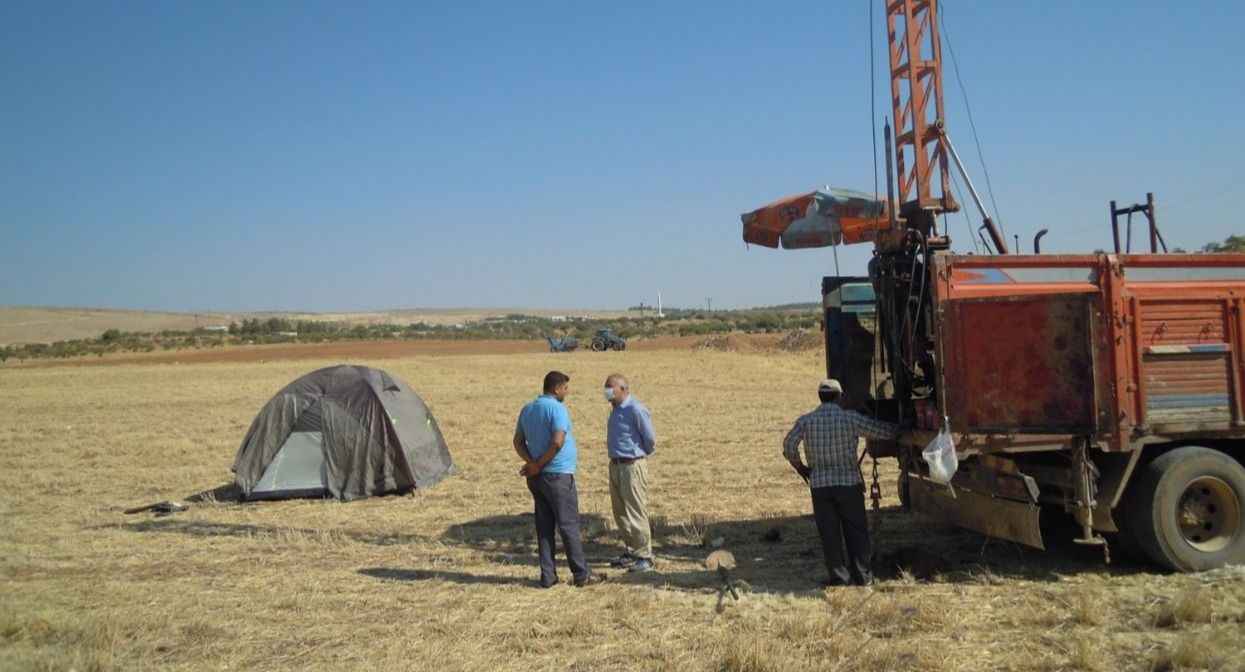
840 514
557 507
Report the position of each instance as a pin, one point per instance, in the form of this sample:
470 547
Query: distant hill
791 306
36 324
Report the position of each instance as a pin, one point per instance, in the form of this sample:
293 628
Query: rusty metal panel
991 516
1143 307
1021 364
1187 385
1185 354
1182 322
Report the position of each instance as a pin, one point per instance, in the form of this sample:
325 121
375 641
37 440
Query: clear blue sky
333 156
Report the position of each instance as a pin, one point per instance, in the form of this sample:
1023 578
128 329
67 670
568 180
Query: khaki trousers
629 495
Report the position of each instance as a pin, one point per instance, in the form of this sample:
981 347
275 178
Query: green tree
1232 243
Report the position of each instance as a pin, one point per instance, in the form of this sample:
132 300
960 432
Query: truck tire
1185 510
620 346
598 346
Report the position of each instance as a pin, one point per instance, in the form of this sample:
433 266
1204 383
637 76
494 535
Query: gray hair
616 378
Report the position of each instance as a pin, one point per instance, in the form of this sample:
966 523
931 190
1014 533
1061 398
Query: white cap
831 385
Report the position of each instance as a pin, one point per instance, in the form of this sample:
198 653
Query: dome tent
345 431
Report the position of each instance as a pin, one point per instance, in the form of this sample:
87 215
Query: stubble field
444 579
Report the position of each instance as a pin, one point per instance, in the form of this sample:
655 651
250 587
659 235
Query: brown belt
624 460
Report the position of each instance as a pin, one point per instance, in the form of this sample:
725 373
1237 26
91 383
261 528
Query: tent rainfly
346 431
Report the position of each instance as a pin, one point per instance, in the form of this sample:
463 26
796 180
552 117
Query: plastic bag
940 456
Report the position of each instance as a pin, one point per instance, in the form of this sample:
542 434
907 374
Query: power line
998 215
873 97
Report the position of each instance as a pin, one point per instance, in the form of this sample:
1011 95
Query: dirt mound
799 341
727 343
759 343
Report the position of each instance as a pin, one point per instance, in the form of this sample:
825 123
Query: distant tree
1232 243
110 335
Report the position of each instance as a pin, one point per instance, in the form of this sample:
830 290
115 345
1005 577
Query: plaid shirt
831 435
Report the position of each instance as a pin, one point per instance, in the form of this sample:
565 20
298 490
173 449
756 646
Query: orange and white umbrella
816 219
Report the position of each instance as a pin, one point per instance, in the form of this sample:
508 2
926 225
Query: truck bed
1120 348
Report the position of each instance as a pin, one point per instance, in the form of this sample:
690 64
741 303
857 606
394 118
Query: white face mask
609 394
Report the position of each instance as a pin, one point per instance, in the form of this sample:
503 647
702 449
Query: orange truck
1109 387
1106 386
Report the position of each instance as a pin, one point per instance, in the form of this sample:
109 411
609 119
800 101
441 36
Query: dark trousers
557 507
840 514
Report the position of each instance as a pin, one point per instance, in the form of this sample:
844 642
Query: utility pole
709 304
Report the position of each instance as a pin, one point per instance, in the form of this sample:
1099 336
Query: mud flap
992 516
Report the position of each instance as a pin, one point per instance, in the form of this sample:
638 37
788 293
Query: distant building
291 334
558 318
217 327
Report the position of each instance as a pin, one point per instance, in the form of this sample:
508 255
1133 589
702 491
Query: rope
875 490
998 216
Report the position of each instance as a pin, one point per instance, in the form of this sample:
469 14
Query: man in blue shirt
630 439
542 437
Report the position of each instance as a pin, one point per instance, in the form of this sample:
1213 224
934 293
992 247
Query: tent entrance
297 470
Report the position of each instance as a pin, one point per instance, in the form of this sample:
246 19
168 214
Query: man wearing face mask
542 438
630 440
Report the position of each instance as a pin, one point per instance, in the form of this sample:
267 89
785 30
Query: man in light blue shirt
630 440
543 439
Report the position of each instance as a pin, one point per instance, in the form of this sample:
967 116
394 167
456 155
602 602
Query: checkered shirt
830 435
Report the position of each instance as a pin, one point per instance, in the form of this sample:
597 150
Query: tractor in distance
606 339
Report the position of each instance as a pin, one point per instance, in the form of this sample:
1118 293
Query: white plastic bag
940 456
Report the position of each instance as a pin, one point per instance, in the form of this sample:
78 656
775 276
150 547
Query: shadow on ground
776 554
783 554
512 538
391 574
227 493
204 528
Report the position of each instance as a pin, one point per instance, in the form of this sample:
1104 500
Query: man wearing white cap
830 435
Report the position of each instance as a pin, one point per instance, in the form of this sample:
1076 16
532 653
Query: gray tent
345 431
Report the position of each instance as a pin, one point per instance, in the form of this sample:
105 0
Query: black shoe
832 583
624 561
641 565
551 584
590 580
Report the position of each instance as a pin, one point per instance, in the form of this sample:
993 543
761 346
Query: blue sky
326 156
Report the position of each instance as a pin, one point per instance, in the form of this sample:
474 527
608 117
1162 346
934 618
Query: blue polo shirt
629 431
538 421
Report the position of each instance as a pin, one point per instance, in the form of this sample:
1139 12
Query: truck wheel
598 346
620 346
1185 510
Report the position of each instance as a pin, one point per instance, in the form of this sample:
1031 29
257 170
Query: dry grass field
444 579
